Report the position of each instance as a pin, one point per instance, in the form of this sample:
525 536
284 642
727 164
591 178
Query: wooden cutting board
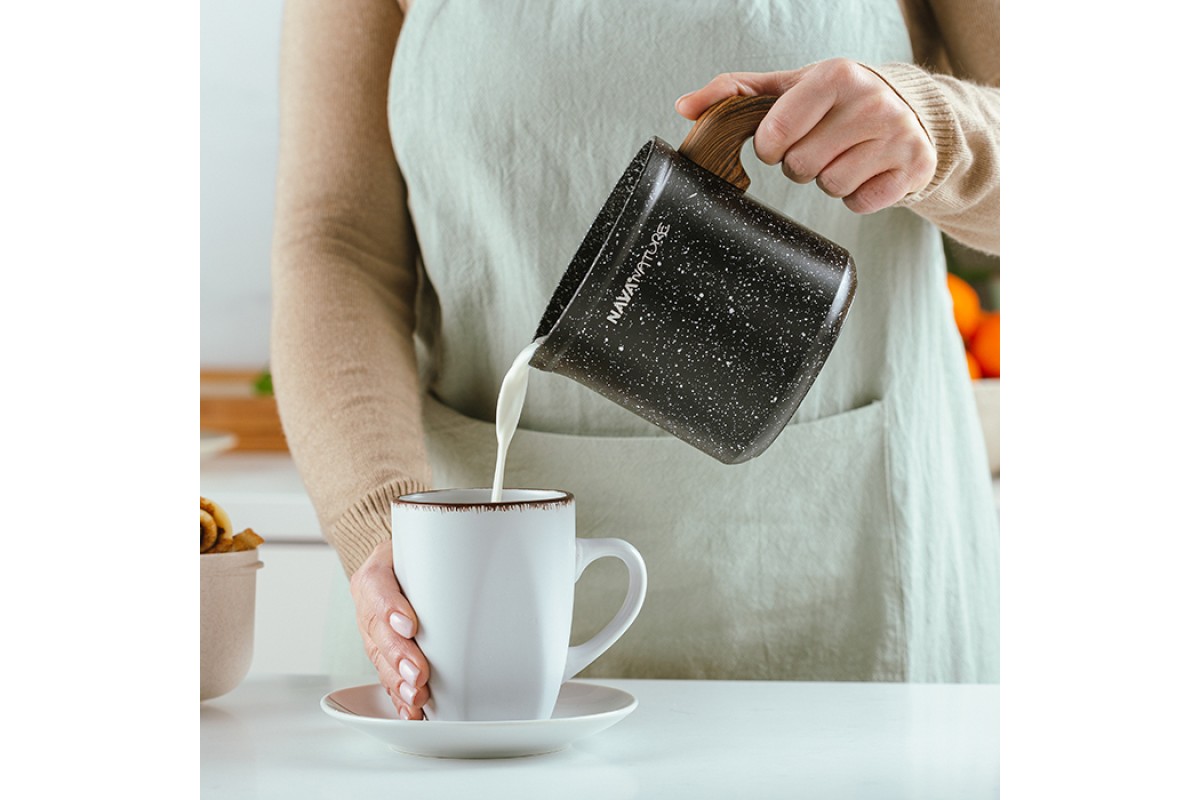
228 402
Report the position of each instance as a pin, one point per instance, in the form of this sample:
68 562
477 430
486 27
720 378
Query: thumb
734 84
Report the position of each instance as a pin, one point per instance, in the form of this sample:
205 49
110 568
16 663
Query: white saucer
582 710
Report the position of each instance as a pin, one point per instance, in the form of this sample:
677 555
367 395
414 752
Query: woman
430 194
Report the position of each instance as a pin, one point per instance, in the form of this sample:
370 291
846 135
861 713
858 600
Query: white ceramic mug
493 586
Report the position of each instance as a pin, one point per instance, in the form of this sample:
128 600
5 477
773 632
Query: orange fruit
985 344
973 366
965 302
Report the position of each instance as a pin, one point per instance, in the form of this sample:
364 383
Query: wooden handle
715 141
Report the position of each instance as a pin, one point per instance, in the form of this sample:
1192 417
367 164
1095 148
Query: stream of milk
508 411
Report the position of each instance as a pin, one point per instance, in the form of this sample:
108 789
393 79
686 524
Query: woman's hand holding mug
388 626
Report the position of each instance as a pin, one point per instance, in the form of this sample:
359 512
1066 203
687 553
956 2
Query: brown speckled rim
550 498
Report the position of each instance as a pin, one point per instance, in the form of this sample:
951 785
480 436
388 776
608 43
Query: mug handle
587 551
715 141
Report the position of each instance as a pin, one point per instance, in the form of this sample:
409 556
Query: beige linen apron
862 545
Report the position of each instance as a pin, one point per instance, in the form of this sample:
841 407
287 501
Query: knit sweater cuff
921 92
368 522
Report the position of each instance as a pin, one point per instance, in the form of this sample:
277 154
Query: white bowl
987 400
227 589
215 442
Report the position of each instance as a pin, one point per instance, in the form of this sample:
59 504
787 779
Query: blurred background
239 128
239 131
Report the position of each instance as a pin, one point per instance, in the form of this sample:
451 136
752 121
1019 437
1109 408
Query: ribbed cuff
921 92
368 522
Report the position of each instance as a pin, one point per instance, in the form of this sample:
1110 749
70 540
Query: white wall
239 127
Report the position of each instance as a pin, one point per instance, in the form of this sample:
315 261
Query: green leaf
263 385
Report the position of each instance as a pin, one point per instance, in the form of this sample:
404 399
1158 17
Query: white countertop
686 739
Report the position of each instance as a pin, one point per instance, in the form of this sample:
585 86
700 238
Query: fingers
861 178
836 133
847 171
877 193
733 84
837 123
410 701
795 115
388 625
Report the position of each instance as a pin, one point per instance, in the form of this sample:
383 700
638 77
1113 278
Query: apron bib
862 545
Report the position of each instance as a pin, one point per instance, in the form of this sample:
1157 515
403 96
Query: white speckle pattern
630 318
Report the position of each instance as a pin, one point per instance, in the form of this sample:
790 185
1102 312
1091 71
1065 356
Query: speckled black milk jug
691 304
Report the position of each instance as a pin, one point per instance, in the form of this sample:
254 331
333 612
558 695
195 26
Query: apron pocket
784 567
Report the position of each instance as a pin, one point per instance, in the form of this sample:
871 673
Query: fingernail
409 672
404 714
677 102
401 625
407 692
